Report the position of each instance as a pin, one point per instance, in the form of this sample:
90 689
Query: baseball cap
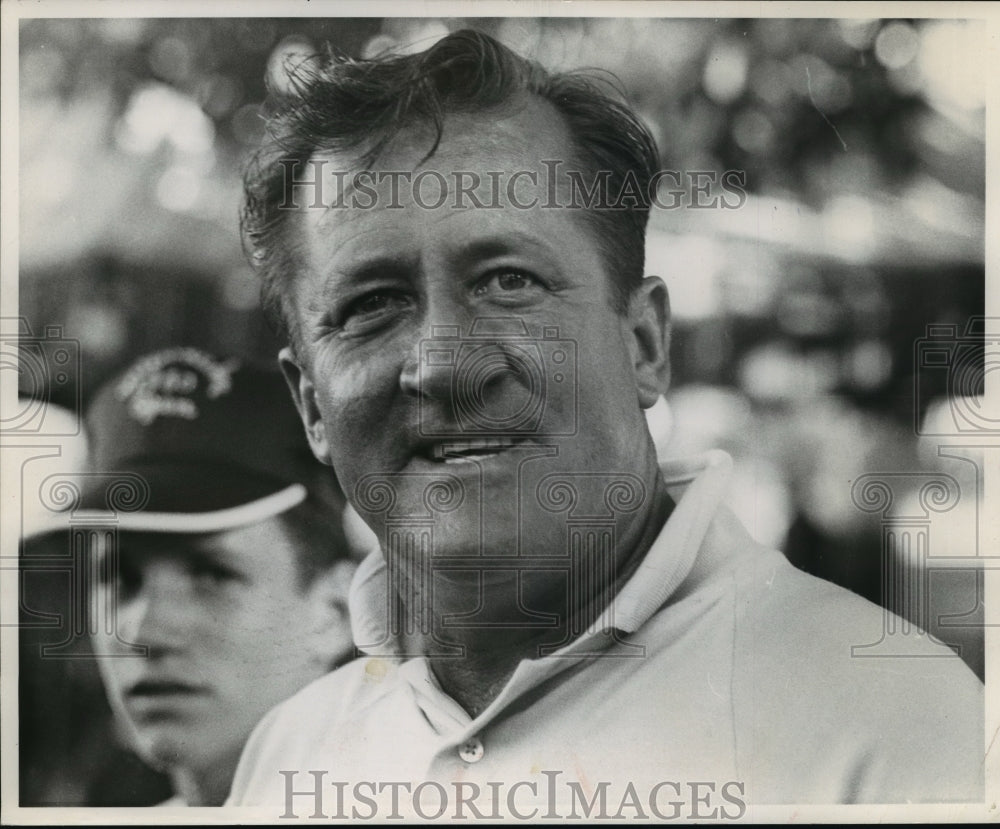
186 441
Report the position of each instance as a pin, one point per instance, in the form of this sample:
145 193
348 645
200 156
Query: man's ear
648 333
331 635
304 394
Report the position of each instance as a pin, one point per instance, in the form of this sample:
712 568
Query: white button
471 750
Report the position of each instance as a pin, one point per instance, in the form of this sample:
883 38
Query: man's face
405 377
229 633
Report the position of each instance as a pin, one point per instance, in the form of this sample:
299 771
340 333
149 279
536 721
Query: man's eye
372 308
371 304
507 281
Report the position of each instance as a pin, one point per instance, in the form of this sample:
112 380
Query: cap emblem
164 384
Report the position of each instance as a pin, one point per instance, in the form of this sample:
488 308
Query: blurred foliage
218 63
785 100
133 130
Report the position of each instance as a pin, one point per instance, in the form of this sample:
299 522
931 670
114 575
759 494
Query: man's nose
449 366
430 367
433 356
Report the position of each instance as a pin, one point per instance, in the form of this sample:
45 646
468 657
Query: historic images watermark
34 433
950 415
545 368
317 184
464 424
538 413
48 364
88 557
957 358
40 434
310 795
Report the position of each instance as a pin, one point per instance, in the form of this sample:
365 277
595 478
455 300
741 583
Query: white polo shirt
731 681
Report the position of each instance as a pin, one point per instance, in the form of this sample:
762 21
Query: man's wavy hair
338 104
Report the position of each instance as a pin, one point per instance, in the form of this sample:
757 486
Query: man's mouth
471 449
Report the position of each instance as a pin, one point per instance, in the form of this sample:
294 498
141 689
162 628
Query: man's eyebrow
504 244
370 268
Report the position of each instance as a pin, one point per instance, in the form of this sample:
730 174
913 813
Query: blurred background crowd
800 318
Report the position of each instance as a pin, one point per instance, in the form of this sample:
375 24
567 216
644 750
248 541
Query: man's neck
477 678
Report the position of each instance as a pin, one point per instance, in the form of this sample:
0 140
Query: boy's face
230 632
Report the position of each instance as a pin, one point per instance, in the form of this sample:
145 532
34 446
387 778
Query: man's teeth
462 449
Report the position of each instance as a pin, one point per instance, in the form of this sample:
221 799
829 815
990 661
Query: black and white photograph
499 412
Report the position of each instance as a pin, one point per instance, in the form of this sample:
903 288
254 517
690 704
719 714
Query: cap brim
174 497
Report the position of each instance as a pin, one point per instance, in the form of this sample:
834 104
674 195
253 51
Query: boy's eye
124 578
213 574
117 571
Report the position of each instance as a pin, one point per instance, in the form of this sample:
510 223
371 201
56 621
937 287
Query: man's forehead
527 123
473 162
